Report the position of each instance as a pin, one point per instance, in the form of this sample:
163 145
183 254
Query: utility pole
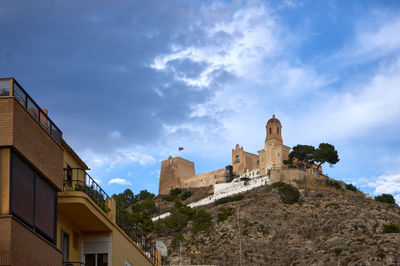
240 240
180 246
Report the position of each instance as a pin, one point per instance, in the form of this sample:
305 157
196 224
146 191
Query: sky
128 82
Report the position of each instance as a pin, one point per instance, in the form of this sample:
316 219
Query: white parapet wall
224 190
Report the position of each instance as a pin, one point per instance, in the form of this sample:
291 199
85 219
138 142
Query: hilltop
328 225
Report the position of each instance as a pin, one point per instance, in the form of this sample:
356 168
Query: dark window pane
90 259
45 195
4 87
65 245
33 109
102 259
22 189
19 94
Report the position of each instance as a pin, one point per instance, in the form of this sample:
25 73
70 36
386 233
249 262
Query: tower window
270 130
237 159
277 130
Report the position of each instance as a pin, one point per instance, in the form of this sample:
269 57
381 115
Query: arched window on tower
270 130
277 130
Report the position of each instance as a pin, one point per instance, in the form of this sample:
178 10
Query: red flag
180 148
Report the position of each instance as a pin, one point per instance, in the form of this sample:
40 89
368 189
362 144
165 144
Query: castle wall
243 161
173 172
205 179
294 176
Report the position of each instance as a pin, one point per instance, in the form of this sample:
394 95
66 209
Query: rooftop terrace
9 87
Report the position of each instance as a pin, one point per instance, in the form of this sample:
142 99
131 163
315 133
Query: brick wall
20 130
6 121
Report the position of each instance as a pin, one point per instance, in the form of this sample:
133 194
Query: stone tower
274 131
274 151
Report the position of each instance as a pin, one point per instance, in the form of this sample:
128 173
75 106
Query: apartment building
51 211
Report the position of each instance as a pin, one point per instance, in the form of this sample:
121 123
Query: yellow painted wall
4 181
124 249
63 223
69 159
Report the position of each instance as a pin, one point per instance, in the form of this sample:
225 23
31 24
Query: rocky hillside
327 226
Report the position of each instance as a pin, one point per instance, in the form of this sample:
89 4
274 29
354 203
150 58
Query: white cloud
238 45
369 108
376 36
386 184
249 44
119 156
119 181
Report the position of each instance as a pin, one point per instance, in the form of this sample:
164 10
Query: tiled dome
273 119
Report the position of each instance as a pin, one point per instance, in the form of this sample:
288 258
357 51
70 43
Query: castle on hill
177 172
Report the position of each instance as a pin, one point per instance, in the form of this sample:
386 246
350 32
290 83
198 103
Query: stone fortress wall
180 173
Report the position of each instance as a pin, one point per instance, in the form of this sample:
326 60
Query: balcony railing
11 88
77 179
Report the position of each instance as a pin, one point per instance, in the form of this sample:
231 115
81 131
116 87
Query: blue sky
128 82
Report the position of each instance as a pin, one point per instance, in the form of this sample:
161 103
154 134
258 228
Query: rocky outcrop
326 227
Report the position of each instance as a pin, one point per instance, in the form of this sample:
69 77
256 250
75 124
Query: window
237 159
277 130
96 259
69 174
64 240
270 130
4 87
33 200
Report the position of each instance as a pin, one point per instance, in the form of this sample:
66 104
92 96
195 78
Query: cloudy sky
128 82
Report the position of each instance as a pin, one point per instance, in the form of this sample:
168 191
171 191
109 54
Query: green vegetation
387 198
202 222
333 183
224 214
304 156
352 188
391 228
229 199
187 194
133 211
288 193
174 195
175 191
176 240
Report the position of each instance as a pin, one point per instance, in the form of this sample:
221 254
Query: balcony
9 87
77 179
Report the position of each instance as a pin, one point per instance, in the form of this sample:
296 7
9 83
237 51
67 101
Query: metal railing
77 179
9 87
139 236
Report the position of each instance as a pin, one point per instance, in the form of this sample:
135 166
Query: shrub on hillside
175 191
278 184
175 243
352 188
333 183
177 221
288 193
173 195
387 198
169 198
202 221
186 194
229 199
224 214
391 228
